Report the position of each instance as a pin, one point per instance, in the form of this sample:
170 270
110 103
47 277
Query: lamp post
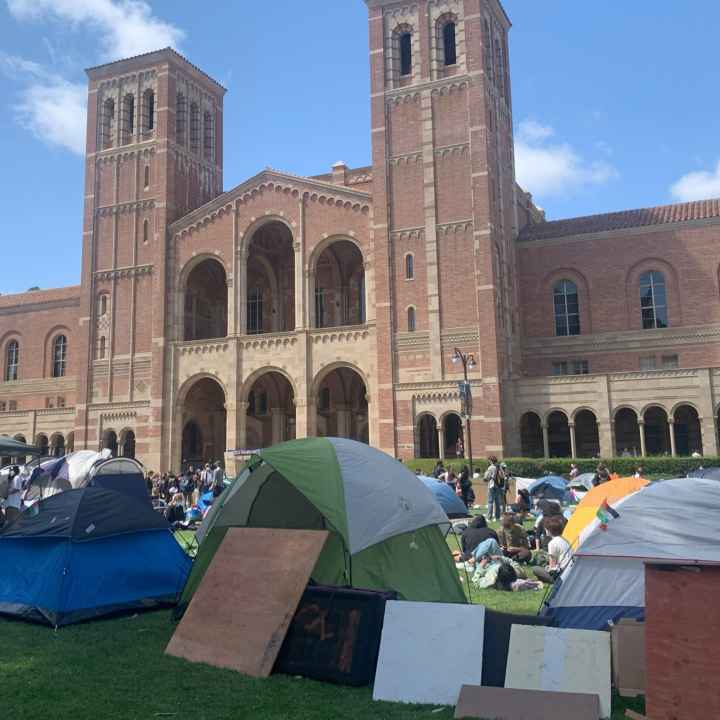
468 362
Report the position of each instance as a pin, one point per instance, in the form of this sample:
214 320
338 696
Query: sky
615 104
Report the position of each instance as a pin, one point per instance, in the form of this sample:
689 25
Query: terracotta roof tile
626 219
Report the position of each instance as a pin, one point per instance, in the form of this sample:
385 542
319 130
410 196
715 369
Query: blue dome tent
551 487
453 506
84 553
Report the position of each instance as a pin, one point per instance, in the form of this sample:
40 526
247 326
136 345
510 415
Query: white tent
675 520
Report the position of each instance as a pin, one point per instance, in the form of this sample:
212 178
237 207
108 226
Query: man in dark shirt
513 538
476 532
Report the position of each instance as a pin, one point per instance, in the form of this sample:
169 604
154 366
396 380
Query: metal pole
467 417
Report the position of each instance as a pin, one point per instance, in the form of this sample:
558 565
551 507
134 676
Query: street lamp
468 363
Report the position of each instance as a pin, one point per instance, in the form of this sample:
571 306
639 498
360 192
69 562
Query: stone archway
453 436
342 406
42 444
270 410
339 294
270 280
627 433
127 444
657 431
204 423
587 435
688 432
206 301
110 442
427 437
559 435
531 436
57 445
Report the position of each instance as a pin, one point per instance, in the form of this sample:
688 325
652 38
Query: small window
146 179
653 300
406 54
148 111
12 361
12 405
102 305
670 362
49 403
409 267
101 348
3 406
648 362
180 119
128 118
108 124
60 402
581 367
411 319
560 368
59 356
567 308
449 43
487 50
146 231
571 367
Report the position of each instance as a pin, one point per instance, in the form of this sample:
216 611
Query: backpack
500 479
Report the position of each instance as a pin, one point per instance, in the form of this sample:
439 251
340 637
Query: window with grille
409 267
59 356
12 361
148 111
180 119
567 308
653 300
194 127
449 43
411 326
406 54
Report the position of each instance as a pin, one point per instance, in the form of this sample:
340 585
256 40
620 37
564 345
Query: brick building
209 320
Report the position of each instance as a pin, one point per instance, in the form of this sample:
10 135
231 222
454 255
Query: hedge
663 467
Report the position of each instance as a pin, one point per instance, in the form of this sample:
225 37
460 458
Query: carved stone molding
203 347
128 272
340 336
125 208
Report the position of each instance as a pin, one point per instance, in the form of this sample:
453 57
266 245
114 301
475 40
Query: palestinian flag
604 513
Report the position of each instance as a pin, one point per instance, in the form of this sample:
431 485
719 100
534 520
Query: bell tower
154 153
444 211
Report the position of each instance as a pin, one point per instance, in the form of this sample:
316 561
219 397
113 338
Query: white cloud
52 108
127 27
550 168
698 185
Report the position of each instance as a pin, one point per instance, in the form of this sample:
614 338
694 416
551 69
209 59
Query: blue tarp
445 495
86 553
552 487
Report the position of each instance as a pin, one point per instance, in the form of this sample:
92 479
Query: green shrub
664 467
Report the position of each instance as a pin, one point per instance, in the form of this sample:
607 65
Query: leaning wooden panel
240 614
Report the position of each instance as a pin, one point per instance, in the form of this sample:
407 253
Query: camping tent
711 473
10 447
587 510
583 482
606 579
85 553
453 506
383 521
551 487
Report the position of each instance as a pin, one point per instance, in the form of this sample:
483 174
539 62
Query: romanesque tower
443 226
154 153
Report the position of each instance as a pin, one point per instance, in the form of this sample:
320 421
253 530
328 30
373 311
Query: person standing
206 478
13 502
493 496
187 485
218 481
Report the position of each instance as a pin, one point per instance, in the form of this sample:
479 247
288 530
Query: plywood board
561 661
428 651
628 657
494 702
241 611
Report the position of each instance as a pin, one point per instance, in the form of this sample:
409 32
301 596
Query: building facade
209 321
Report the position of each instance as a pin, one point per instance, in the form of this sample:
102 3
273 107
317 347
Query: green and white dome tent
384 523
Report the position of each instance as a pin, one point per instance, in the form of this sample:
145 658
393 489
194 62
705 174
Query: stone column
304 418
310 295
613 443
241 419
643 450
573 444
441 443
671 425
708 432
546 441
278 425
242 292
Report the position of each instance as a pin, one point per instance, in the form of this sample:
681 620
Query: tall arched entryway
271 280
627 433
657 431
587 435
110 442
270 411
559 435
206 301
453 435
688 433
531 436
342 406
427 437
339 286
204 423
42 444
127 444
57 445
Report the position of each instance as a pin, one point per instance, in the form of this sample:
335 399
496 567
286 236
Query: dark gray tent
9 447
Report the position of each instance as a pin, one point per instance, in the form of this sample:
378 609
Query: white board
428 651
560 660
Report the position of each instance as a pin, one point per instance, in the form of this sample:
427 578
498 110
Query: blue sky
615 104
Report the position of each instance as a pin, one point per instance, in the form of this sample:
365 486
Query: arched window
405 53
12 361
146 179
128 118
194 127
411 319
208 136
148 111
499 67
101 347
567 308
487 50
180 119
146 231
409 267
102 304
449 43
108 123
653 300
59 356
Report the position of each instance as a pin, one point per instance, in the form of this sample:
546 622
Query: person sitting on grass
476 533
522 505
559 551
495 571
513 538
175 512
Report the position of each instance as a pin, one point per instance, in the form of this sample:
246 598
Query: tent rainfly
383 522
9 447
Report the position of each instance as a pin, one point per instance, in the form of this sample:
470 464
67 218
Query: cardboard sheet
560 660
628 657
428 651
491 702
241 611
